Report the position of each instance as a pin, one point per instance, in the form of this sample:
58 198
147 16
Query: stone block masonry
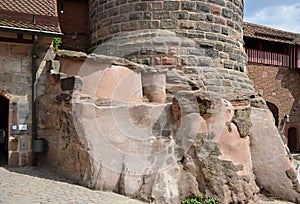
15 83
225 16
16 87
16 69
200 61
202 39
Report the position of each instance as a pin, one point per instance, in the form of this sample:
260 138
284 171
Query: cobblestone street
30 186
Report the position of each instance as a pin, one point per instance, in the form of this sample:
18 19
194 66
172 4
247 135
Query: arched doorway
4 107
274 110
292 139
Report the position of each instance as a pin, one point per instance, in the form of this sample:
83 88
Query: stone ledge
102 59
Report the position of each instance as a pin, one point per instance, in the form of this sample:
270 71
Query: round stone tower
198 44
192 53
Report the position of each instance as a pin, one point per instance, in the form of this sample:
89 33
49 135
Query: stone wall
200 39
210 18
15 84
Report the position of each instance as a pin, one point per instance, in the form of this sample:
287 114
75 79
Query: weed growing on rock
200 200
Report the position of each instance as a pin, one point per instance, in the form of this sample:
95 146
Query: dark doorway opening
4 107
274 110
292 139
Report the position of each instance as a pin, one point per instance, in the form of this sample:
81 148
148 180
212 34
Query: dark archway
274 110
4 110
292 139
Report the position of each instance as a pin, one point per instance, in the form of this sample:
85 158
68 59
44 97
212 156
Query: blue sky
280 14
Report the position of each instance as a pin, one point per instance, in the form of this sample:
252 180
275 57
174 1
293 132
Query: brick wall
73 17
280 86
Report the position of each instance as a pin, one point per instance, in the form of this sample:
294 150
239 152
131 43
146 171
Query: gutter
30 31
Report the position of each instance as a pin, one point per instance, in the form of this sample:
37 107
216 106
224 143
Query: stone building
26 32
273 65
162 97
158 107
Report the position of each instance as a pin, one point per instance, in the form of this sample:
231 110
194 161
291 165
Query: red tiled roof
29 14
20 24
35 7
270 34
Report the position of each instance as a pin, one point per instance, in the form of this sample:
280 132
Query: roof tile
20 14
20 24
35 7
270 34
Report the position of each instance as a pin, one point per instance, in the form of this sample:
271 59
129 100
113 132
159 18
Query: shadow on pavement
40 172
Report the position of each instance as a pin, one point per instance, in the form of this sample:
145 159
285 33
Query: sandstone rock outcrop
163 108
159 152
270 160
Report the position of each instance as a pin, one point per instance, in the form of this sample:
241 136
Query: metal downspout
33 95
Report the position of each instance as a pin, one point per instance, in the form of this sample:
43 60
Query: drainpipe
33 95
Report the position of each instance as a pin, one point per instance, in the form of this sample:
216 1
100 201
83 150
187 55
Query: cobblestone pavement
31 186
272 201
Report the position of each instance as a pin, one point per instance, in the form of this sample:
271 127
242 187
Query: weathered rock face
271 163
179 123
198 143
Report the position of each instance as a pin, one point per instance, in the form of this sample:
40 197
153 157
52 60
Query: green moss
242 120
